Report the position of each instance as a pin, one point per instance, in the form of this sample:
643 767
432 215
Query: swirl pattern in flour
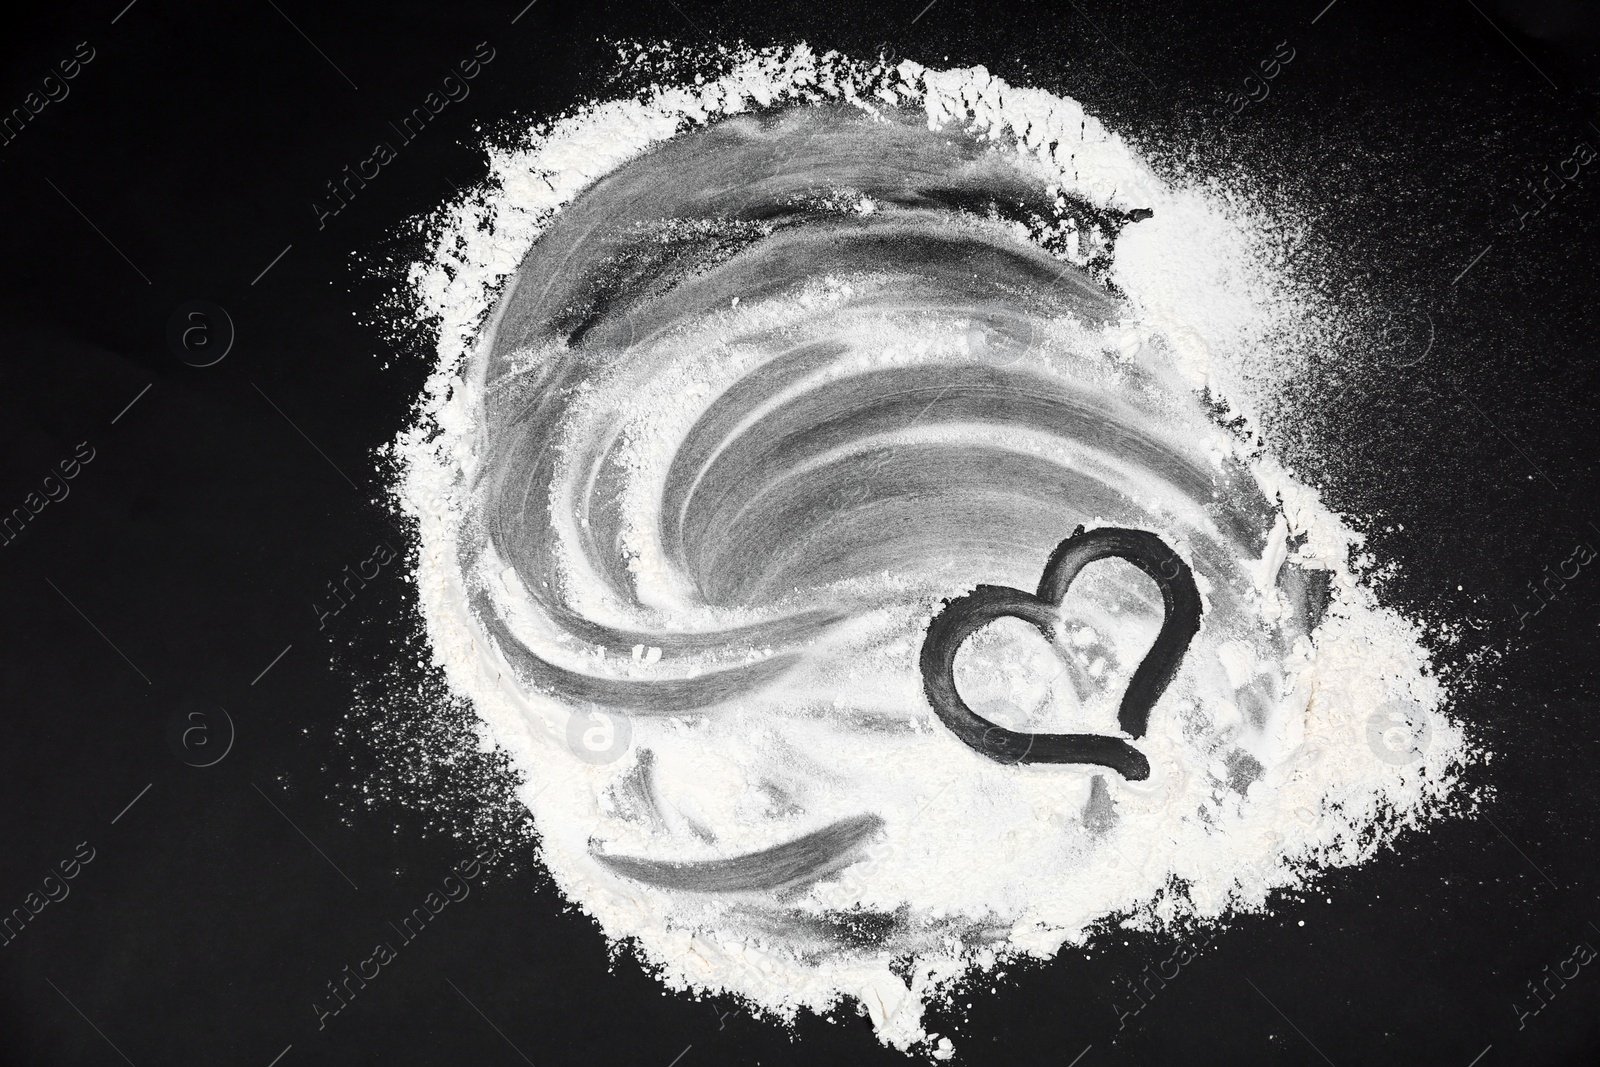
758 401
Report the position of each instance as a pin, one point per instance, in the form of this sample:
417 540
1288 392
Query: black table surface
209 507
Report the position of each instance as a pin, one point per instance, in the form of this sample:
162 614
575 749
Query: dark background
218 506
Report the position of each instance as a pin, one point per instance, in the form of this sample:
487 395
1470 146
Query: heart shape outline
964 616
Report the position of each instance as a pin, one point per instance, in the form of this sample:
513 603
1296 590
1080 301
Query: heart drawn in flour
965 616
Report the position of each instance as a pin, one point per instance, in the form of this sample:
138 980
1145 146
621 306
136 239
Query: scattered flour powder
738 379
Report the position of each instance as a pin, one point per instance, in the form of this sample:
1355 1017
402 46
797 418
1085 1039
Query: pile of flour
1306 729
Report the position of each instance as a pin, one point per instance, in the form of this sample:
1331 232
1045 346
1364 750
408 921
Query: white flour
1292 739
